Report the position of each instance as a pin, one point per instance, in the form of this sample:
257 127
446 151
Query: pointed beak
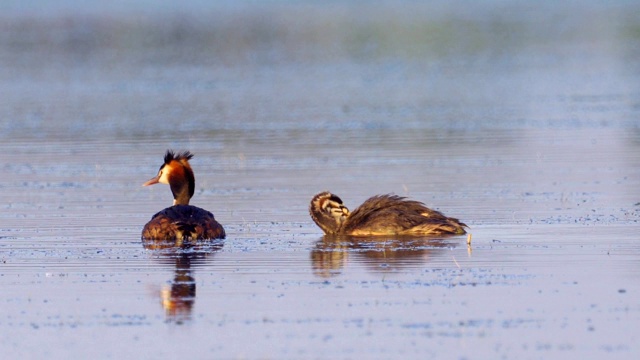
152 181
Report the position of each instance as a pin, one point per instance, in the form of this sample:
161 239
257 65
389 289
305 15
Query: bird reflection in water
179 296
331 253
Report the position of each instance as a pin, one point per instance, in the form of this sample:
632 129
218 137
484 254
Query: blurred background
150 69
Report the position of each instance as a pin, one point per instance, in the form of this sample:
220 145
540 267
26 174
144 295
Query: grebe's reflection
179 296
332 253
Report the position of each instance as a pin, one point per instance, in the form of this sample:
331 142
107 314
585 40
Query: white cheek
164 178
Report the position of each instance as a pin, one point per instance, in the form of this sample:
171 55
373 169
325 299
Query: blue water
520 120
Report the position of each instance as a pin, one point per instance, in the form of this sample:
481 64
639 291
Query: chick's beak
152 181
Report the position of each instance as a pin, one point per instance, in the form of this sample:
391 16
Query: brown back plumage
392 215
184 225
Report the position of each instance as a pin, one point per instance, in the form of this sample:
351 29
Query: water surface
520 121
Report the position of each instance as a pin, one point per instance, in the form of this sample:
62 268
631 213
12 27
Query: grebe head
328 212
176 172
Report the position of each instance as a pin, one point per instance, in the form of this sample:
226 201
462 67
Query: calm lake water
521 120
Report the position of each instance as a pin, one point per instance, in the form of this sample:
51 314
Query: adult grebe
182 223
380 215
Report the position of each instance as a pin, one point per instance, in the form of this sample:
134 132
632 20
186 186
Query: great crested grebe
380 215
182 223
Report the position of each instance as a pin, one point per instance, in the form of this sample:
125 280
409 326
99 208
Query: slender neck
180 194
182 186
326 224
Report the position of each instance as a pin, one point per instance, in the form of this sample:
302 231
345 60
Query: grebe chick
182 223
380 215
